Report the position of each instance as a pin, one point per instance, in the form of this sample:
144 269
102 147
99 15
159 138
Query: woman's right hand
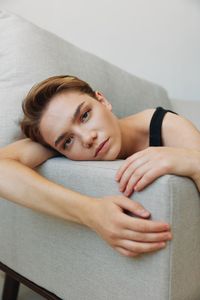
129 235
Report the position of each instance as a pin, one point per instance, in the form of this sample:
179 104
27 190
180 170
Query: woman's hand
143 167
128 235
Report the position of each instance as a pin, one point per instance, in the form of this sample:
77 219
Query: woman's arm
26 187
142 168
178 131
196 174
128 235
29 153
180 156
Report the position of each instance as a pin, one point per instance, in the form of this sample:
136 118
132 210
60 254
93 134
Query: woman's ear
100 97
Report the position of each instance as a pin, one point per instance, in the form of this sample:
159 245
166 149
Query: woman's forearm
196 178
29 153
197 181
196 168
26 187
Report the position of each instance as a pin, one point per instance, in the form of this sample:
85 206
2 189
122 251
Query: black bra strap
155 138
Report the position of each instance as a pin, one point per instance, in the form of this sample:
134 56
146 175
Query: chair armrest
78 264
171 198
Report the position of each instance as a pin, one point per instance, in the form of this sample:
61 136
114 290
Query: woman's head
66 114
39 97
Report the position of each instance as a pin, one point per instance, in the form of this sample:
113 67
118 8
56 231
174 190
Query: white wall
157 40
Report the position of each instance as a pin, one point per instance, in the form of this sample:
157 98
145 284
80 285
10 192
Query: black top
155 138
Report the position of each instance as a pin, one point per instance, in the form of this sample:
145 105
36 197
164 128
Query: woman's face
81 128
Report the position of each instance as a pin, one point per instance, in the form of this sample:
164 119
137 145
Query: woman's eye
85 116
67 143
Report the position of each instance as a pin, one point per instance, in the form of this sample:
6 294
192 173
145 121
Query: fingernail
143 213
162 244
167 226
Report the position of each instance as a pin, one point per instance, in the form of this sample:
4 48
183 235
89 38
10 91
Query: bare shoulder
170 119
145 117
176 131
142 120
148 113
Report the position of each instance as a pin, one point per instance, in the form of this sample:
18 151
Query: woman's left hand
143 167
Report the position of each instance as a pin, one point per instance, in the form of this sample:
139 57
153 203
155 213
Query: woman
63 115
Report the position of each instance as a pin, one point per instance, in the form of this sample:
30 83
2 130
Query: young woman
63 115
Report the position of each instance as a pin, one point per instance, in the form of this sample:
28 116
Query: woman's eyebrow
75 115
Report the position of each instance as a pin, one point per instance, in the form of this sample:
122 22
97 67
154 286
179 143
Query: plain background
157 40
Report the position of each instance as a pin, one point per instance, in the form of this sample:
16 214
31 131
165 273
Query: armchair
64 260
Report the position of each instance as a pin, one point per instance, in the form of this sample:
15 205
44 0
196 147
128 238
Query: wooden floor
24 292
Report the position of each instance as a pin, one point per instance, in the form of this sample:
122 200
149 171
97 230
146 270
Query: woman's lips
101 147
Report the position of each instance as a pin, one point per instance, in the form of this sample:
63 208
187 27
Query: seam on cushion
170 249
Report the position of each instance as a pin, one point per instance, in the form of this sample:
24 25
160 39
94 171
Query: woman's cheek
76 152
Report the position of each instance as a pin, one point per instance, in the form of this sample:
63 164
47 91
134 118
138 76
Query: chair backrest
29 54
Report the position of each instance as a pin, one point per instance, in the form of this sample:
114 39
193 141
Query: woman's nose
89 138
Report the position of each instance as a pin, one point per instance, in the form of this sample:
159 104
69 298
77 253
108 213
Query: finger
146 237
126 163
131 169
137 176
142 225
122 169
140 247
132 206
126 252
134 167
149 177
126 177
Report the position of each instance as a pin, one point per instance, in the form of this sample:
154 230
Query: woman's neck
134 133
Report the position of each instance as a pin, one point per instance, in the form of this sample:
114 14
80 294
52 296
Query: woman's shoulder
140 122
148 113
173 127
142 119
145 116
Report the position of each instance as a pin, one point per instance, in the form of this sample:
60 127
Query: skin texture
142 168
180 156
93 125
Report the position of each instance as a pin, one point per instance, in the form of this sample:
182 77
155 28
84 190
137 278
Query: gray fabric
68 259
